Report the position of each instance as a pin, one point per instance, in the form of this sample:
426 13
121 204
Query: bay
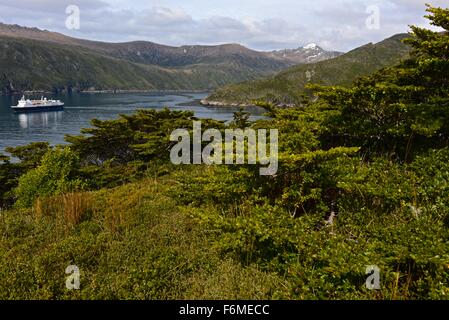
80 109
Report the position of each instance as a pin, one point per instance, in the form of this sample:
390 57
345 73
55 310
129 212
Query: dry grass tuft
67 209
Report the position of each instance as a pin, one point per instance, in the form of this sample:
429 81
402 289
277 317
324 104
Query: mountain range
288 86
34 59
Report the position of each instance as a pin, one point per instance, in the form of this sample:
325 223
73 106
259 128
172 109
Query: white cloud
54 6
164 16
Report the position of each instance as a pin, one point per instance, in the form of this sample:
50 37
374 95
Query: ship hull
37 109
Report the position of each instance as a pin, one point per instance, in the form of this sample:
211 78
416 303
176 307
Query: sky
258 24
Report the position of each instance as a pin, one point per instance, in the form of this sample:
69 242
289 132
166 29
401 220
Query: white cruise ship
27 105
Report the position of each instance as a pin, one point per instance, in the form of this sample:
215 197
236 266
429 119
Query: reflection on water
40 119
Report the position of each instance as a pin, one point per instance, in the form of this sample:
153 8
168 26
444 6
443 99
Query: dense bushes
57 174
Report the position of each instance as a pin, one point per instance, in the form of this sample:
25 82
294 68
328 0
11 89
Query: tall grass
68 209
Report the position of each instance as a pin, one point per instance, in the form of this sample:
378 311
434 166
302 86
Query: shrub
57 174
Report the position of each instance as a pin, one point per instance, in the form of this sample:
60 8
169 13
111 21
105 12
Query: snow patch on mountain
311 46
310 53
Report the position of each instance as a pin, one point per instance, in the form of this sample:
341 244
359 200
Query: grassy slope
286 86
137 241
133 242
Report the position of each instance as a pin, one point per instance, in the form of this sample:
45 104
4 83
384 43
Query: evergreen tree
402 109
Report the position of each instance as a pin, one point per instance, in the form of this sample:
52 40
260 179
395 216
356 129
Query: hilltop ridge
286 87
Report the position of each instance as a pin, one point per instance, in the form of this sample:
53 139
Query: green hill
287 86
37 65
34 59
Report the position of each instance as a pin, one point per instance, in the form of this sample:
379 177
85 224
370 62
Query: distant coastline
208 103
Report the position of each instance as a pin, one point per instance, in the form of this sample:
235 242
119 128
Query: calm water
21 129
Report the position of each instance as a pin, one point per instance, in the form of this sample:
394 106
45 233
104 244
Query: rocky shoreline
208 103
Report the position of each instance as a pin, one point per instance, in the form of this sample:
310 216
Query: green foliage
241 119
8 176
29 157
57 174
432 172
